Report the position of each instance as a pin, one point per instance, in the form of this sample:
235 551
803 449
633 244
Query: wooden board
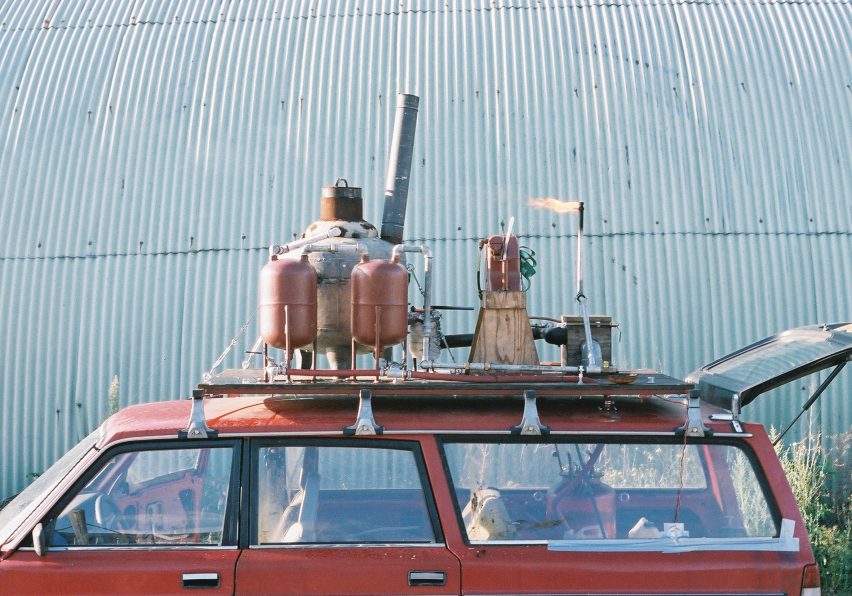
503 334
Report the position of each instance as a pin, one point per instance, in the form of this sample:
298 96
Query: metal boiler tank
334 260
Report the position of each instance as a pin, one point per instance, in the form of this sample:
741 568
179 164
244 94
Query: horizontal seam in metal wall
167 253
485 9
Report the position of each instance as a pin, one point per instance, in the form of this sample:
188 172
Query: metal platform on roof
250 382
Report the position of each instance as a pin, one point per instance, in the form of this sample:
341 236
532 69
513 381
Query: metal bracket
197 427
694 426
365 423
735 423
530 422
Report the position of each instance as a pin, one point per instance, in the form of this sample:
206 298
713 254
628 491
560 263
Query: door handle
427 578
200 580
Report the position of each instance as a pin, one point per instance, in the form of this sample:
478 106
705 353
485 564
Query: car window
162 496
521 491
338 495
158 466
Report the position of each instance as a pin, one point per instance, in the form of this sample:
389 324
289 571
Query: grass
821 482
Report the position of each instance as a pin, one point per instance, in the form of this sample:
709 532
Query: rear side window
150 496
522 491
346 494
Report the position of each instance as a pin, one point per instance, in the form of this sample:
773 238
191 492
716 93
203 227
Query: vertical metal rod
266 378
377 348
427 302
580 254
581 297
288 348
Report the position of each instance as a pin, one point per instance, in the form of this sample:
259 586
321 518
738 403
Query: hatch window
151 496
607 491
350 494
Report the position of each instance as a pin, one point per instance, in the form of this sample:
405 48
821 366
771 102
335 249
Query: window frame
231 525
252 503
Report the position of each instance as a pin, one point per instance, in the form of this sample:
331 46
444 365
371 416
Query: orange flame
555 205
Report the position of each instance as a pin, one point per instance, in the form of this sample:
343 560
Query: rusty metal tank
288 303
503 264
379 302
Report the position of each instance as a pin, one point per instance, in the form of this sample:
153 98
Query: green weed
820 481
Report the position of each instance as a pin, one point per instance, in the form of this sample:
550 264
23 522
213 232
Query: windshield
608 491
13 514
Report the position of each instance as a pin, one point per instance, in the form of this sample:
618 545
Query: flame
555 205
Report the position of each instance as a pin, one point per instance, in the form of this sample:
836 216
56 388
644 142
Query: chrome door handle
200 580
427 578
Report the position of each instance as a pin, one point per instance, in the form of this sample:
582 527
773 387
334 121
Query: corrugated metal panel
151 150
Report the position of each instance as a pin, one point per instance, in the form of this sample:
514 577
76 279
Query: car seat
486 517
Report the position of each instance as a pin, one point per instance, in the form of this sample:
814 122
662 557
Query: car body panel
356 570
117 571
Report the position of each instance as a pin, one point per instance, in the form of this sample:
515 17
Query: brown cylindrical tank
379 302
503 264
288 303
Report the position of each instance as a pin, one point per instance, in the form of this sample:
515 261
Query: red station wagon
446 488
499 475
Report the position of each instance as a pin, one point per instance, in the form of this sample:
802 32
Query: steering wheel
107 514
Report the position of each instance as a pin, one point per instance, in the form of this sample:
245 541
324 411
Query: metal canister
503 264
288 303
379 302
341 202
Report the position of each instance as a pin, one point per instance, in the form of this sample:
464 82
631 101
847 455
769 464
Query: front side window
606 491
328 494
161 496
17 510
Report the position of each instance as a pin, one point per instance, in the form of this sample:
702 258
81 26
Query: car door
146 518
347 516
617 514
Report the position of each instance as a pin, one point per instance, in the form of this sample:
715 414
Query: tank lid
341 202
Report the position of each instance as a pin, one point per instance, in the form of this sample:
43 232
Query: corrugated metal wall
152 150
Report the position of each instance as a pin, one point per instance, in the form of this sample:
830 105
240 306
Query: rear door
343 516
147 518
744 375
619 515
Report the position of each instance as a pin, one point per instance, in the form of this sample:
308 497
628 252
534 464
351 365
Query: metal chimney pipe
399 167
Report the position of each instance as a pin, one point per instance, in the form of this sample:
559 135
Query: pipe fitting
278 249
